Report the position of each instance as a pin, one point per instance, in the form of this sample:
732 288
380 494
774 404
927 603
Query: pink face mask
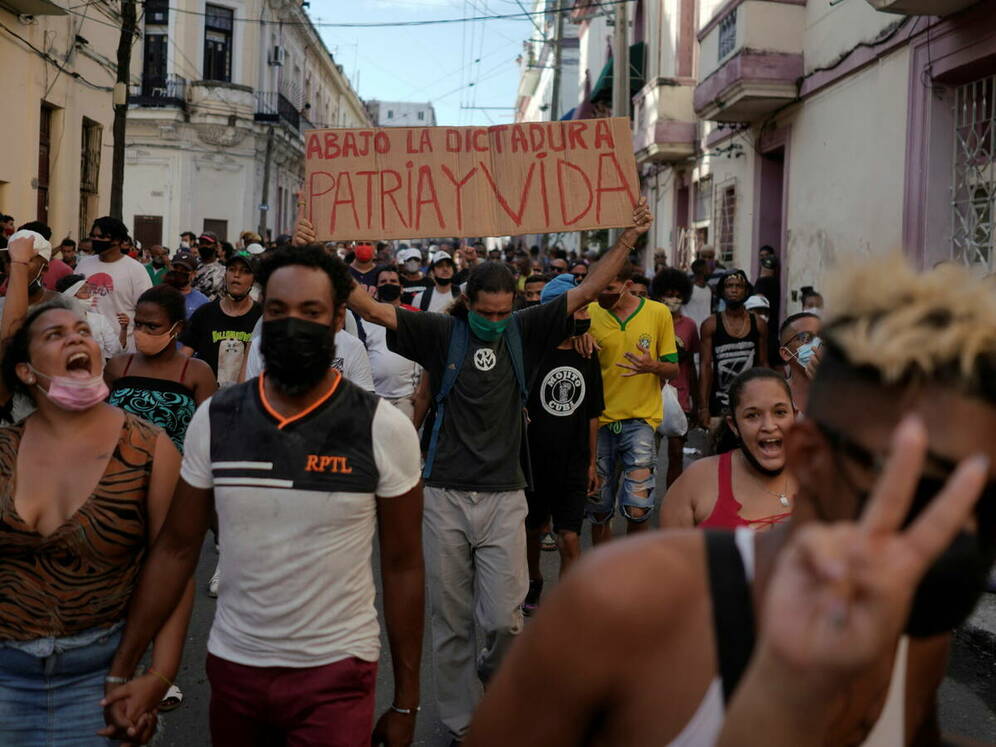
74 394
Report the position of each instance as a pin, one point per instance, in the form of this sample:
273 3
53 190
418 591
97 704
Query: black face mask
444 281
949 590
752 460
388 293
608 300
100 245
527 304
297 353
581 326
735 305
207 253
158 262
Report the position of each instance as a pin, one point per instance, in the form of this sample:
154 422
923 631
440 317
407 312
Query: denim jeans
628 444
55 699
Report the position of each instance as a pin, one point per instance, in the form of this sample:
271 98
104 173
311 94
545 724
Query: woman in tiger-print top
84 489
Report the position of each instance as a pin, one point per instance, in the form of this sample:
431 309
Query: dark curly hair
16 348
111 228
671 280
314 256
169 299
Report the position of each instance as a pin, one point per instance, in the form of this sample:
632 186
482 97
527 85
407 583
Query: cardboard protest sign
414 182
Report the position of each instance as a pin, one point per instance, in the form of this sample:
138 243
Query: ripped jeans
630 445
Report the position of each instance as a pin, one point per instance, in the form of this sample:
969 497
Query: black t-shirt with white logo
481 434
566 395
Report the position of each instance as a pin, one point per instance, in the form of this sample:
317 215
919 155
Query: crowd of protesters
469 407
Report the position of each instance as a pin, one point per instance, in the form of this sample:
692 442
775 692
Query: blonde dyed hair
907 325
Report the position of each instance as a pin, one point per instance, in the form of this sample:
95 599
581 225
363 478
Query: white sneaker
213 583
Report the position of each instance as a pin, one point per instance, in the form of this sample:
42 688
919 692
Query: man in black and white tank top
731 344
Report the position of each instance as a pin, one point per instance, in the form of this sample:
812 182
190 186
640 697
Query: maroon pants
327 706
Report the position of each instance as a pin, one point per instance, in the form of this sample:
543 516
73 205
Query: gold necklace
782 497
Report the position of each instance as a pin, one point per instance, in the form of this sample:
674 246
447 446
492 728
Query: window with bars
725 222
703 200
728 34
218 23
89 173
44 163
974 173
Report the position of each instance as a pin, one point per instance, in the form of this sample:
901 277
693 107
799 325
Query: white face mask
673 304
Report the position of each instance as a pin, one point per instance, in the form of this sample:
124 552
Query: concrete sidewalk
981 626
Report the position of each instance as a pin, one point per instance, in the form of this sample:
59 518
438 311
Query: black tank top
731 356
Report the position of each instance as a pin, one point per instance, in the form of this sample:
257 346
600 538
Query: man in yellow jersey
637 353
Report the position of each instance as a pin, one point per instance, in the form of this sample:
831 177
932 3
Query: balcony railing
171 92
274 107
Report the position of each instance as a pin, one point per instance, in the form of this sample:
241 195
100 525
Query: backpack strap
423 302
732 608
360 332
457 351
513 339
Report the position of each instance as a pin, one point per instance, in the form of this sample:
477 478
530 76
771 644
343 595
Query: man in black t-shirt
564 405
475 505
220 332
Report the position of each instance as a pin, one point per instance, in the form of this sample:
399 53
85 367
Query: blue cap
557 287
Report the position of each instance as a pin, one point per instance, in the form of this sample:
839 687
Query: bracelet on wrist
161 676
18 262
406 711
112 680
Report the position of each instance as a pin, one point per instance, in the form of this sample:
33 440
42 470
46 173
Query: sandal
171 700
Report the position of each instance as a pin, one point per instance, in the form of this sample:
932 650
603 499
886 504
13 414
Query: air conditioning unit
278 56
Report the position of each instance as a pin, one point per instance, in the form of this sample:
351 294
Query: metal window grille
725 222
703 199
974 178
89 172
728 34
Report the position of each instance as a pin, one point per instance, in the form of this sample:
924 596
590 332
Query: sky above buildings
452 65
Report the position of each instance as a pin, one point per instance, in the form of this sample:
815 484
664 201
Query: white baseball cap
255 249
757 301
42 245
406 254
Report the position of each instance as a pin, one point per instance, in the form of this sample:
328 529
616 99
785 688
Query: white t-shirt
297 585
393 376
350 358
439 301
128 280
699 308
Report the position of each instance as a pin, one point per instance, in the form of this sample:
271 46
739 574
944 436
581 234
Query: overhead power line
394 24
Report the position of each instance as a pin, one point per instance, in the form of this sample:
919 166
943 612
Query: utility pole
120 98
264 205
620 75
558 46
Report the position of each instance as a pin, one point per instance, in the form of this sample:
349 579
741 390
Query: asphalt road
967 699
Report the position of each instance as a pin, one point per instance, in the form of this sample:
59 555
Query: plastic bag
674 422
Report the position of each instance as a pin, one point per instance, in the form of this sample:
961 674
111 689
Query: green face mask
485 329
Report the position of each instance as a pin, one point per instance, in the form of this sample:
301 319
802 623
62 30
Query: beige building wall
846 170
26 81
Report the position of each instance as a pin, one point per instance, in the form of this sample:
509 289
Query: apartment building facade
222 93
822 129
58 72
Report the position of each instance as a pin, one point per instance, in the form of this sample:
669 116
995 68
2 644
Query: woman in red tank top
746 487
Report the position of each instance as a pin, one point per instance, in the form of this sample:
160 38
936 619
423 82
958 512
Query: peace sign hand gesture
841 594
